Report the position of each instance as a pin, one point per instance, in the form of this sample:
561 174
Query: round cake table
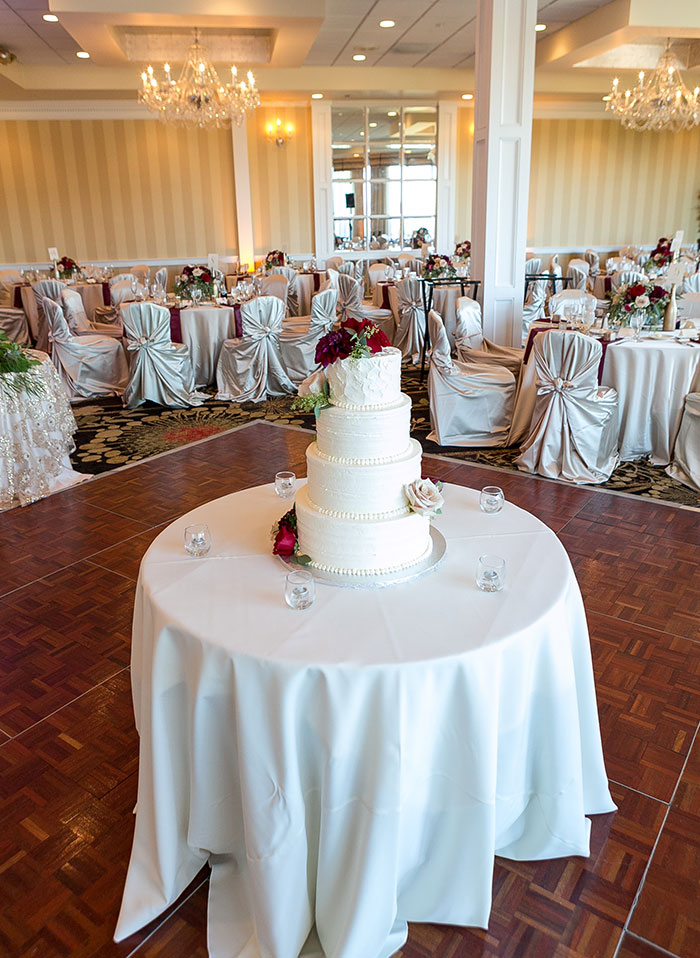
355 766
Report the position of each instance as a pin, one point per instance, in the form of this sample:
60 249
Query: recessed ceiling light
540 27
387 24
362 132
316 96
392 113
359 57
83 55
467 96
50 18
373 124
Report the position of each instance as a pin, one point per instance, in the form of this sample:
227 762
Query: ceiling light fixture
316 96
373 125
392 113
539 27
358 57
467 96
50 18
663 102
83 55
198 97
387 24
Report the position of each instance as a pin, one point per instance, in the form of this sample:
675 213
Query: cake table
355 766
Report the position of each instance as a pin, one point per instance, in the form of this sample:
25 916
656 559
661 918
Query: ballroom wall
114 189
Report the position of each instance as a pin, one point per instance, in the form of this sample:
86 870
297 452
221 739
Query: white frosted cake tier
360 546
367 383
362 435
372 490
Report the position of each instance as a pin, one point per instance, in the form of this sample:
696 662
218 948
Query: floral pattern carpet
110 436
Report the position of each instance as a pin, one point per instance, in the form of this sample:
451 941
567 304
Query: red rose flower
285 542
205 277
355 325
639 289
377 341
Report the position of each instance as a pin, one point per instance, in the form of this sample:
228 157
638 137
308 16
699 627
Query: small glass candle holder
491 573
285 484
299 590
491 499
197 540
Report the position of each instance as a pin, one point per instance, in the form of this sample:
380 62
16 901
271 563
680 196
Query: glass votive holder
299 590
491 499
285 484
197 540
491 573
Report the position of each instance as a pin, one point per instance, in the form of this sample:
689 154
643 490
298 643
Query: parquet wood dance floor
68 747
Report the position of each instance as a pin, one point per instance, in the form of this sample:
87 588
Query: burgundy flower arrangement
194 277
661 255
275 258
67 266
356 338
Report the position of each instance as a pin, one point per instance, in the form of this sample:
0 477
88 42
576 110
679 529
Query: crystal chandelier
198 97
661 103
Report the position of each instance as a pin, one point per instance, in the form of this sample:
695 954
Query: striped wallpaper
114 189
465 150
281 182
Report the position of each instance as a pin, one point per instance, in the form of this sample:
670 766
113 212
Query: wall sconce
279 133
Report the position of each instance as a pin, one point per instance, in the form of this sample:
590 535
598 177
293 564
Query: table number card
674 274
53 254
676 241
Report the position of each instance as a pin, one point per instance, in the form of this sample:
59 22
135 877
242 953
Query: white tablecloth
204 329
358 765
36 438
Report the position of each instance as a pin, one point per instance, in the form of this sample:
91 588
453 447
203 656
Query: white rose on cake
424 498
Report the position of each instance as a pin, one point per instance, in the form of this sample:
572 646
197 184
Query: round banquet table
355 766
204 329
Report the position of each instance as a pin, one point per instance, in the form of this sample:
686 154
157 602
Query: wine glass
638 318
299 590
196 295
197 540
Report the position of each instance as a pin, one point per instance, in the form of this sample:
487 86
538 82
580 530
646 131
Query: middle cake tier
362 490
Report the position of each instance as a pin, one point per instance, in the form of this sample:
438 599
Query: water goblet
299 590
285 484
491 573
638 317
491 500
197 540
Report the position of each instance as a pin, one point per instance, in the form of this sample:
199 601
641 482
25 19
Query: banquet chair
8 279
406 300
290 275
533 266
14 323
298 344
630 252
626 277
49 289
375 272
347 268
574 426
408 260
614 264
78 322
534 304
555 271
577 271
250 368
161 278
334 262
689 308
560 302
142 272
685 465
473 347
122 278
471 404
160 371
691 284
273 284
89 366
324 307
593 260
351 306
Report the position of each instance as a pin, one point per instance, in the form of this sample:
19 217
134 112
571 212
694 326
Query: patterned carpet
109 436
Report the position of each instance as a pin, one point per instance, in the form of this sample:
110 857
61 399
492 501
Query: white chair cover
577 274
471 345
121 292
250 368
51 289
121 278
685 466
534 304
142 272
691 284
574 426
160 370
347 269
593 260
298 345
471 404
162 278
376 271
8 279
290 275
406 299
689 308
408 260
89 366
334 262
533 265
273 284
626 277
350 305
14 323
614 264
630 252
560 301
78 321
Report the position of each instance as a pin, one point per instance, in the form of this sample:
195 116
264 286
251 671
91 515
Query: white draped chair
534 304
577 271
347 269
408 260
274 284
593 260
555 271
77 319
250 368
406 300
471 404
323 310
160 371
574 426
9 278
691 284
298 344
689 309
630 252
14 323
121 278
533 266
290 274
89 366
351 306
142 272
614 264
50 289
375 272
685 466
626 277
334 262
561 302
161 278
473 347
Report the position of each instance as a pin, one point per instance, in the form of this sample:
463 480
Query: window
384 175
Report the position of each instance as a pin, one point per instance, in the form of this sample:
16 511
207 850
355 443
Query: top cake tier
367 383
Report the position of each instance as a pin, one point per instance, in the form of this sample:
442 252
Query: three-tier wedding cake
353 516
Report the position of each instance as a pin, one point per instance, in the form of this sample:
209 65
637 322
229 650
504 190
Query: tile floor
68 748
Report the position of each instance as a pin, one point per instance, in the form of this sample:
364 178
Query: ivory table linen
358 765
204 330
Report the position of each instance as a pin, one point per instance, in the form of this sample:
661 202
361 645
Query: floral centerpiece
67 267
16 361
644 296
463 251
419 238
436 266
661 255
275 258
194 277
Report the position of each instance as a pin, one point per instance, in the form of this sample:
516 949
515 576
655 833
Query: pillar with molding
504 88
244 199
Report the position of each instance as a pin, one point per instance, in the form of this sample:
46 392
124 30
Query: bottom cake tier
360 546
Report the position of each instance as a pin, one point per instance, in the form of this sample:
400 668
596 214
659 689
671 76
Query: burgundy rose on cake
424 497
356 338
285 539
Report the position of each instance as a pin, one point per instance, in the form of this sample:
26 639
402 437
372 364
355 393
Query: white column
244 201
446 177
321 138
505 68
